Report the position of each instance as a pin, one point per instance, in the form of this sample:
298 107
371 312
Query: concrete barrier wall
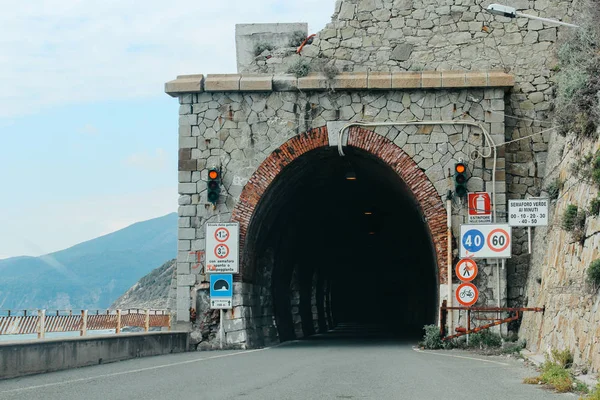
34 357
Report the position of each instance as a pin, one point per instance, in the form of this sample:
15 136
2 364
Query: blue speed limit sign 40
473 240
485 241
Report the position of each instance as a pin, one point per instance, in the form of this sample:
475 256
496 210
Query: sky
88 138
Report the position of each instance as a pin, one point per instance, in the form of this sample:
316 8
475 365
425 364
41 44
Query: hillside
152 291
91 274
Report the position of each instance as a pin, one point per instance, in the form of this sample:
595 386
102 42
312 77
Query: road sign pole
449 234
529 239
221 333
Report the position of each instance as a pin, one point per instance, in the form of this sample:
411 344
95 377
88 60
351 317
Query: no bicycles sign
467 294
485 241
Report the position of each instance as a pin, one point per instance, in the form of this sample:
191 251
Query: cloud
148 162
58 52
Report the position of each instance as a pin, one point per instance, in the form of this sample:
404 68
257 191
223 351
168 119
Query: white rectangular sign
485 241
223 303
222 247
528 212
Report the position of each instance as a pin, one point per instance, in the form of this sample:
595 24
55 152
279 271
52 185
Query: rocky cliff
150 292
561 258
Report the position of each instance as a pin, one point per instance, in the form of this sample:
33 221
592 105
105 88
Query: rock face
557 279
150 292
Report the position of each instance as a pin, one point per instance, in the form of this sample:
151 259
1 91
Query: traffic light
460 179
213 185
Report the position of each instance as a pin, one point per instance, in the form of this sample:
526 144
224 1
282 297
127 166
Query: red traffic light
213 174
460 168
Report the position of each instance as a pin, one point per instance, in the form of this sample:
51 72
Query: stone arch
417 181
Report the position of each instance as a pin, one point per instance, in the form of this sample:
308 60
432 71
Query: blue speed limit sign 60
473 240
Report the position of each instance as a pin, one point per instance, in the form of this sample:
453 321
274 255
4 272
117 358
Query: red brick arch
421 187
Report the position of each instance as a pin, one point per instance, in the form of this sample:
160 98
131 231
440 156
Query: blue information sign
221 285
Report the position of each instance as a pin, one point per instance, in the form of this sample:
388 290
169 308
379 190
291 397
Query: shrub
595 395
595 207
432 339
577 79
563 358
593 273
299 68
262 46
297 39
570 219
485 339
554 188
555 375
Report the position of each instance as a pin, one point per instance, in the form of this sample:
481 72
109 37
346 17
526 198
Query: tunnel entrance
341 240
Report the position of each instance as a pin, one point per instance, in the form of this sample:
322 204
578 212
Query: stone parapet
343 81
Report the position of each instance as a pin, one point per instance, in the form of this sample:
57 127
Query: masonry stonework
454 35
254 135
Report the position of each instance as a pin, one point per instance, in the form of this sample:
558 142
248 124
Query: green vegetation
593 273
572 219
578 76
556 372
595 207
485 339
297 38
594 395
299 68
563 358
432 339
260 47
554 188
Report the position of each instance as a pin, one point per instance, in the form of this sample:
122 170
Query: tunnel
338 241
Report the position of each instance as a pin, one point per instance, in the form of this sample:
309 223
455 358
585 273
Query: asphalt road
340 365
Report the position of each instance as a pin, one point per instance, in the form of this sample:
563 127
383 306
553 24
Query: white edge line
463 357
133 371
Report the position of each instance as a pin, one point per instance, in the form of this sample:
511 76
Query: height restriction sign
222 244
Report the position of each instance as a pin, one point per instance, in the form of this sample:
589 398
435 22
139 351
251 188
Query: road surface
339 365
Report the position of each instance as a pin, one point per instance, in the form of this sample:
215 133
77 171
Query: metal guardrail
22 322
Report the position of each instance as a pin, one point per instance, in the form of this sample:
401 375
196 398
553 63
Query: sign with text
221 291
480 208
222 244
529 212
485 241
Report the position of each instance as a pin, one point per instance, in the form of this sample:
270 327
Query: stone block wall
239 129
455 35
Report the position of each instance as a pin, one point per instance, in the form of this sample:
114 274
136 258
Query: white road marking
133 371
463 357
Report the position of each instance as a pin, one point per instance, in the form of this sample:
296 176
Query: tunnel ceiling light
368 212
350 176
371 233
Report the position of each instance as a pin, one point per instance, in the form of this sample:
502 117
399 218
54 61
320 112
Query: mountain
150 292
89 275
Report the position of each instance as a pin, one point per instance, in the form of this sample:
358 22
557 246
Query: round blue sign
473 241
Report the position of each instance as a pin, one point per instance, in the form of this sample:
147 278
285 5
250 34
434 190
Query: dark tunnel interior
347 232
